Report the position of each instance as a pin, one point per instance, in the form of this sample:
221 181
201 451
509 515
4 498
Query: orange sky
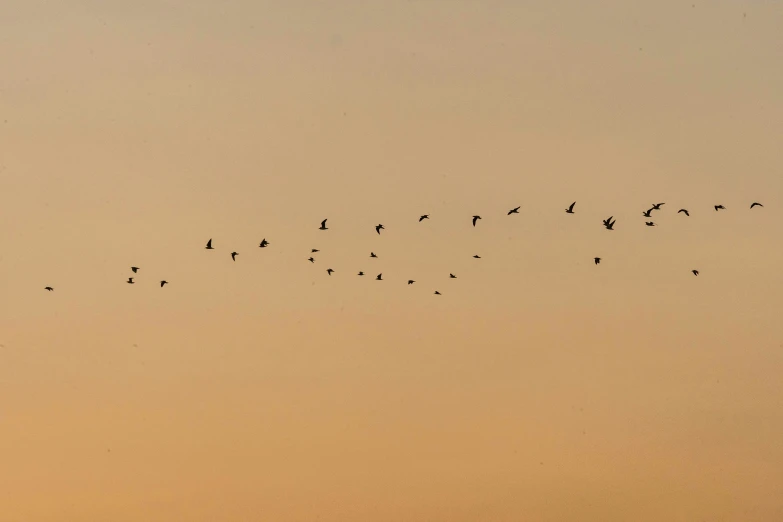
538 387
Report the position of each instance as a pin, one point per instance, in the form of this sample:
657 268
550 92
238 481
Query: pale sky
538 387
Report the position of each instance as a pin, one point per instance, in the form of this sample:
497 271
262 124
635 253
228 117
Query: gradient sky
538 387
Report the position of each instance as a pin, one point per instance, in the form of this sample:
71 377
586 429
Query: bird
360 273
609 224
475 218
314 250
646 213
423 216
372 254
411 281
135 269
378 277
379 227
329 271
513 211
263 243
311 259
437 293
756 205
477 256
130 280
323 225
49 288
452 276
649 223
719 207
570 209
656 206
209 245
685 211
163 283
234 256
597 260
695 272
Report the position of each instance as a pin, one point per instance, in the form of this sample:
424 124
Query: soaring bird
209 245
719 207
314 250
570 209
130 280
649 223
475 218
597 260
452 276
372 254
378 277
163 283
756 205
234 256
477 256
609 224
695 272
135 269
647 213
360 273
424 216
513 211
311 259
683 210
411 281
379 227
437 293
49 288
329 271
323 225
263 243
656 206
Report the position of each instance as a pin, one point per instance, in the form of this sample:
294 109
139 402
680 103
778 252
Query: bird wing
572 206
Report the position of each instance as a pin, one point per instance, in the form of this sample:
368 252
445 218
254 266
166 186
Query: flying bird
263 243
209 245
656 206
756 205
411 281
452 276
163 283
378 277
609 224
424 216
329 271
311 259
130 280
314 250
234 256
360 273
695 272
513 211
570 209
719 207
647 213
597 260
477 256
475 218
684 211
323 225
649 223
49 288
437 293
135 269
372 254
378 228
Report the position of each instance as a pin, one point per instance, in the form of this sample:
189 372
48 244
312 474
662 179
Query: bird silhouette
130 281
135 269
372 254
756 205
311 259
378 228
649 223
329 271
719 207
695 272
609 224
163 283
656 206
234 256
424 216
411 281
513 211
684 211
360 273
597 260
570 209
263 243
648 213
314 250
477 256
209 245
475 218
49 288
437 293
323 225
378 277
452 276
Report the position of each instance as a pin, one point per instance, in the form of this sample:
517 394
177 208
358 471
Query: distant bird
372 254
411 281
314 250
477 256
209 245
437 293
570 209
329 271
49 288
649 223
130 280
323 225
263 243
360 273
234 256
719 207
135 269
695 272
378 277
424 216
311 259
163 283
475 218
609 224
378 228
513 211
685 211
756 205
452 276
656 206
647 213
597 260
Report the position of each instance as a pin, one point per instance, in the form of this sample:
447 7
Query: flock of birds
608 224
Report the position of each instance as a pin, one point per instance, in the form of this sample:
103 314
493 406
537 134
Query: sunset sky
537 387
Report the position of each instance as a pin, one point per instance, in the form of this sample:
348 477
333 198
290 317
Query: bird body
597 260
49 288
372 254
423 216
329 271
411 281
209 245
360 273
163 283
134 269
719 207
647 213
130 281
311 259
608 223
323 225
437 293
234 256
477 256
263 243
695 272
656 206
684 211
570 209
649 223
378 228
514 210
475 218
378 277
452 276
756 205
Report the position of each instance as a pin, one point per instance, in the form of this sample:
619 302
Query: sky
539 386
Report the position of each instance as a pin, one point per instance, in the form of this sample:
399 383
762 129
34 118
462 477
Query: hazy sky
538 387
